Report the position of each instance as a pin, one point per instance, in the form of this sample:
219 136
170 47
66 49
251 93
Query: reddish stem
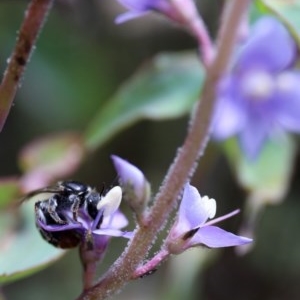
33 22
190 18
152 264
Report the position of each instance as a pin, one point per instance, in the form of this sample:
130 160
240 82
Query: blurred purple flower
192 229
138 8
261 95
95 232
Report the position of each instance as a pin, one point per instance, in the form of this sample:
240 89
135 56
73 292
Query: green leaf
22 250
165 88
287 11
9 191
267 178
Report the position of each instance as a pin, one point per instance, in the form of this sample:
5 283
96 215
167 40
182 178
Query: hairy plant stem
150 266
33 22
182 168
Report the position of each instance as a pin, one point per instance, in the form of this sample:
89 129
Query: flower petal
129 16
229 119
111 201
210 206
116 221
54 228
113 232
253 136
215 237
229 116
193 211
269 46
130 175
288 100
137 8
136 5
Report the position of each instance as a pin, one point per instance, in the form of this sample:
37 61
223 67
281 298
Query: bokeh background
81 58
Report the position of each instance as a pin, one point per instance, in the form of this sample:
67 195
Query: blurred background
80 59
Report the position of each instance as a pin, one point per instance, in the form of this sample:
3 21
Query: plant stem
151 265
194 23
182 168
89 266
33 22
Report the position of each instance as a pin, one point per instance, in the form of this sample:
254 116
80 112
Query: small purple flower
134 184
93 232
138 8
260 97
192 229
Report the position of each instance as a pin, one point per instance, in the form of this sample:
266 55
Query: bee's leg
75 206
38 211
52 205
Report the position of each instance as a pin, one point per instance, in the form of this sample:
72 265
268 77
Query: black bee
70 200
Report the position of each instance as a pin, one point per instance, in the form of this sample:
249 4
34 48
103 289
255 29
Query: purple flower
138 8
192 229
260 97
93 232
134 184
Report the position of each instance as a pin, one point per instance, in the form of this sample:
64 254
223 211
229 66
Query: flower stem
89 275
33 22
182 168
152 264
89 260
194 23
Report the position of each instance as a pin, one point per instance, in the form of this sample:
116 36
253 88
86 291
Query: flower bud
135 187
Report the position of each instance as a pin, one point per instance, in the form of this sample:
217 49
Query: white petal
210 206
111 201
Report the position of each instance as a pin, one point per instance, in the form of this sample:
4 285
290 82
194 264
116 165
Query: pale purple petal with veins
191 228
215 237
192 212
